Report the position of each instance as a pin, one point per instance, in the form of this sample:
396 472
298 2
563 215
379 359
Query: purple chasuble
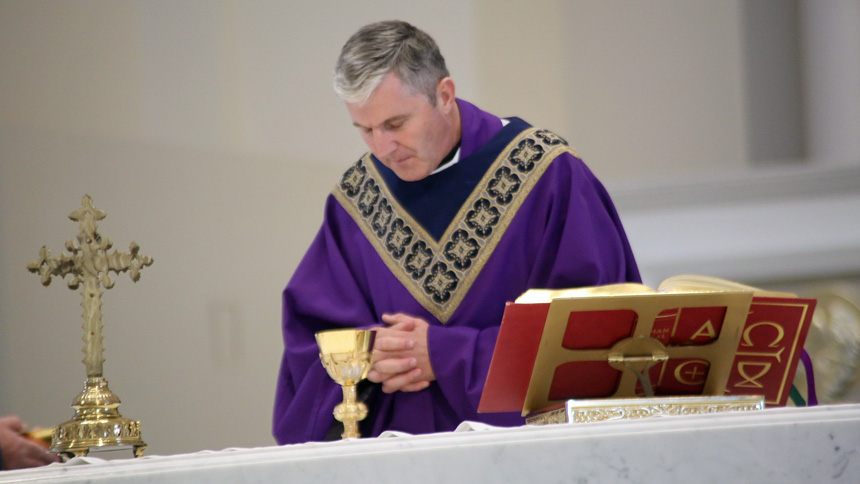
537 219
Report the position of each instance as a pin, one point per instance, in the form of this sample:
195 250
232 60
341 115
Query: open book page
694 283
672 285
543 296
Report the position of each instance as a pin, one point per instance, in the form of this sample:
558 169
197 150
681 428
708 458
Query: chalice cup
347 355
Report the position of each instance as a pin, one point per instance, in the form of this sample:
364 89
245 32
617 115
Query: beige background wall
209 133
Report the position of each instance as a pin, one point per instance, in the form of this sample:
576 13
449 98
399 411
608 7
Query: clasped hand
401 360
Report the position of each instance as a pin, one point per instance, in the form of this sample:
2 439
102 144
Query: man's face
404 130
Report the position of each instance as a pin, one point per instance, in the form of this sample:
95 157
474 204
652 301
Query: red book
761 334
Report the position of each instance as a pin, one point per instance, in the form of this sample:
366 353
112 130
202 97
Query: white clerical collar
456 157
453 161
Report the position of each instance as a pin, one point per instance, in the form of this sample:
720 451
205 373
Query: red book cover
764 364
513 358
770 348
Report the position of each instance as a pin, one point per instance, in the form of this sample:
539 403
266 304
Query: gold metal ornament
347 355
602 410
96 422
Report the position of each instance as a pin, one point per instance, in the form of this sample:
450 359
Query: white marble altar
809 445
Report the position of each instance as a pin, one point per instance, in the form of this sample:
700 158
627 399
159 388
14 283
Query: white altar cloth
787 445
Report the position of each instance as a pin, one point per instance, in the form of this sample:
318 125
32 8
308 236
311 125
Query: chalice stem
350 421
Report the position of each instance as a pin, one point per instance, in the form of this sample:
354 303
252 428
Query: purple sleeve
322 294
566 234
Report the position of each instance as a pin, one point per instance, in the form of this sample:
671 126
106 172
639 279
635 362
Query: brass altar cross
97 421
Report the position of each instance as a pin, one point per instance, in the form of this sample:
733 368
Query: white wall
209 133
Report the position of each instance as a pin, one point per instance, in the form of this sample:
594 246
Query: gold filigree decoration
627 409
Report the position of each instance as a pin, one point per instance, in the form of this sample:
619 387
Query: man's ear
445 94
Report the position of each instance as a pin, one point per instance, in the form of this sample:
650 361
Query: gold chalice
347 355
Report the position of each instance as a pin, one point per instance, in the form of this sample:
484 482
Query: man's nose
384 141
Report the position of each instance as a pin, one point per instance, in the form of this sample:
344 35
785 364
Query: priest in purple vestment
451 214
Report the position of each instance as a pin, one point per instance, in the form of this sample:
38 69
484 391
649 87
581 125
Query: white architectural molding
767 225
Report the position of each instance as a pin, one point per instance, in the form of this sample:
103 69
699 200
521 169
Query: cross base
96 424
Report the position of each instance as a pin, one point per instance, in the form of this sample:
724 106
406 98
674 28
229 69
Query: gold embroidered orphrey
438 274
96 422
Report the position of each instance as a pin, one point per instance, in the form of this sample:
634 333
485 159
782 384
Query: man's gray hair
383 47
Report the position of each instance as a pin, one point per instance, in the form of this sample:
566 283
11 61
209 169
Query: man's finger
393 343
393 366
13 422
401 380
399 321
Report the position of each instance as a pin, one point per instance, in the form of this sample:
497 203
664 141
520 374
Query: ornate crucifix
97 421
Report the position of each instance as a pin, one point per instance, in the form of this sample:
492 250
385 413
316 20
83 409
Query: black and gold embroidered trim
439 274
